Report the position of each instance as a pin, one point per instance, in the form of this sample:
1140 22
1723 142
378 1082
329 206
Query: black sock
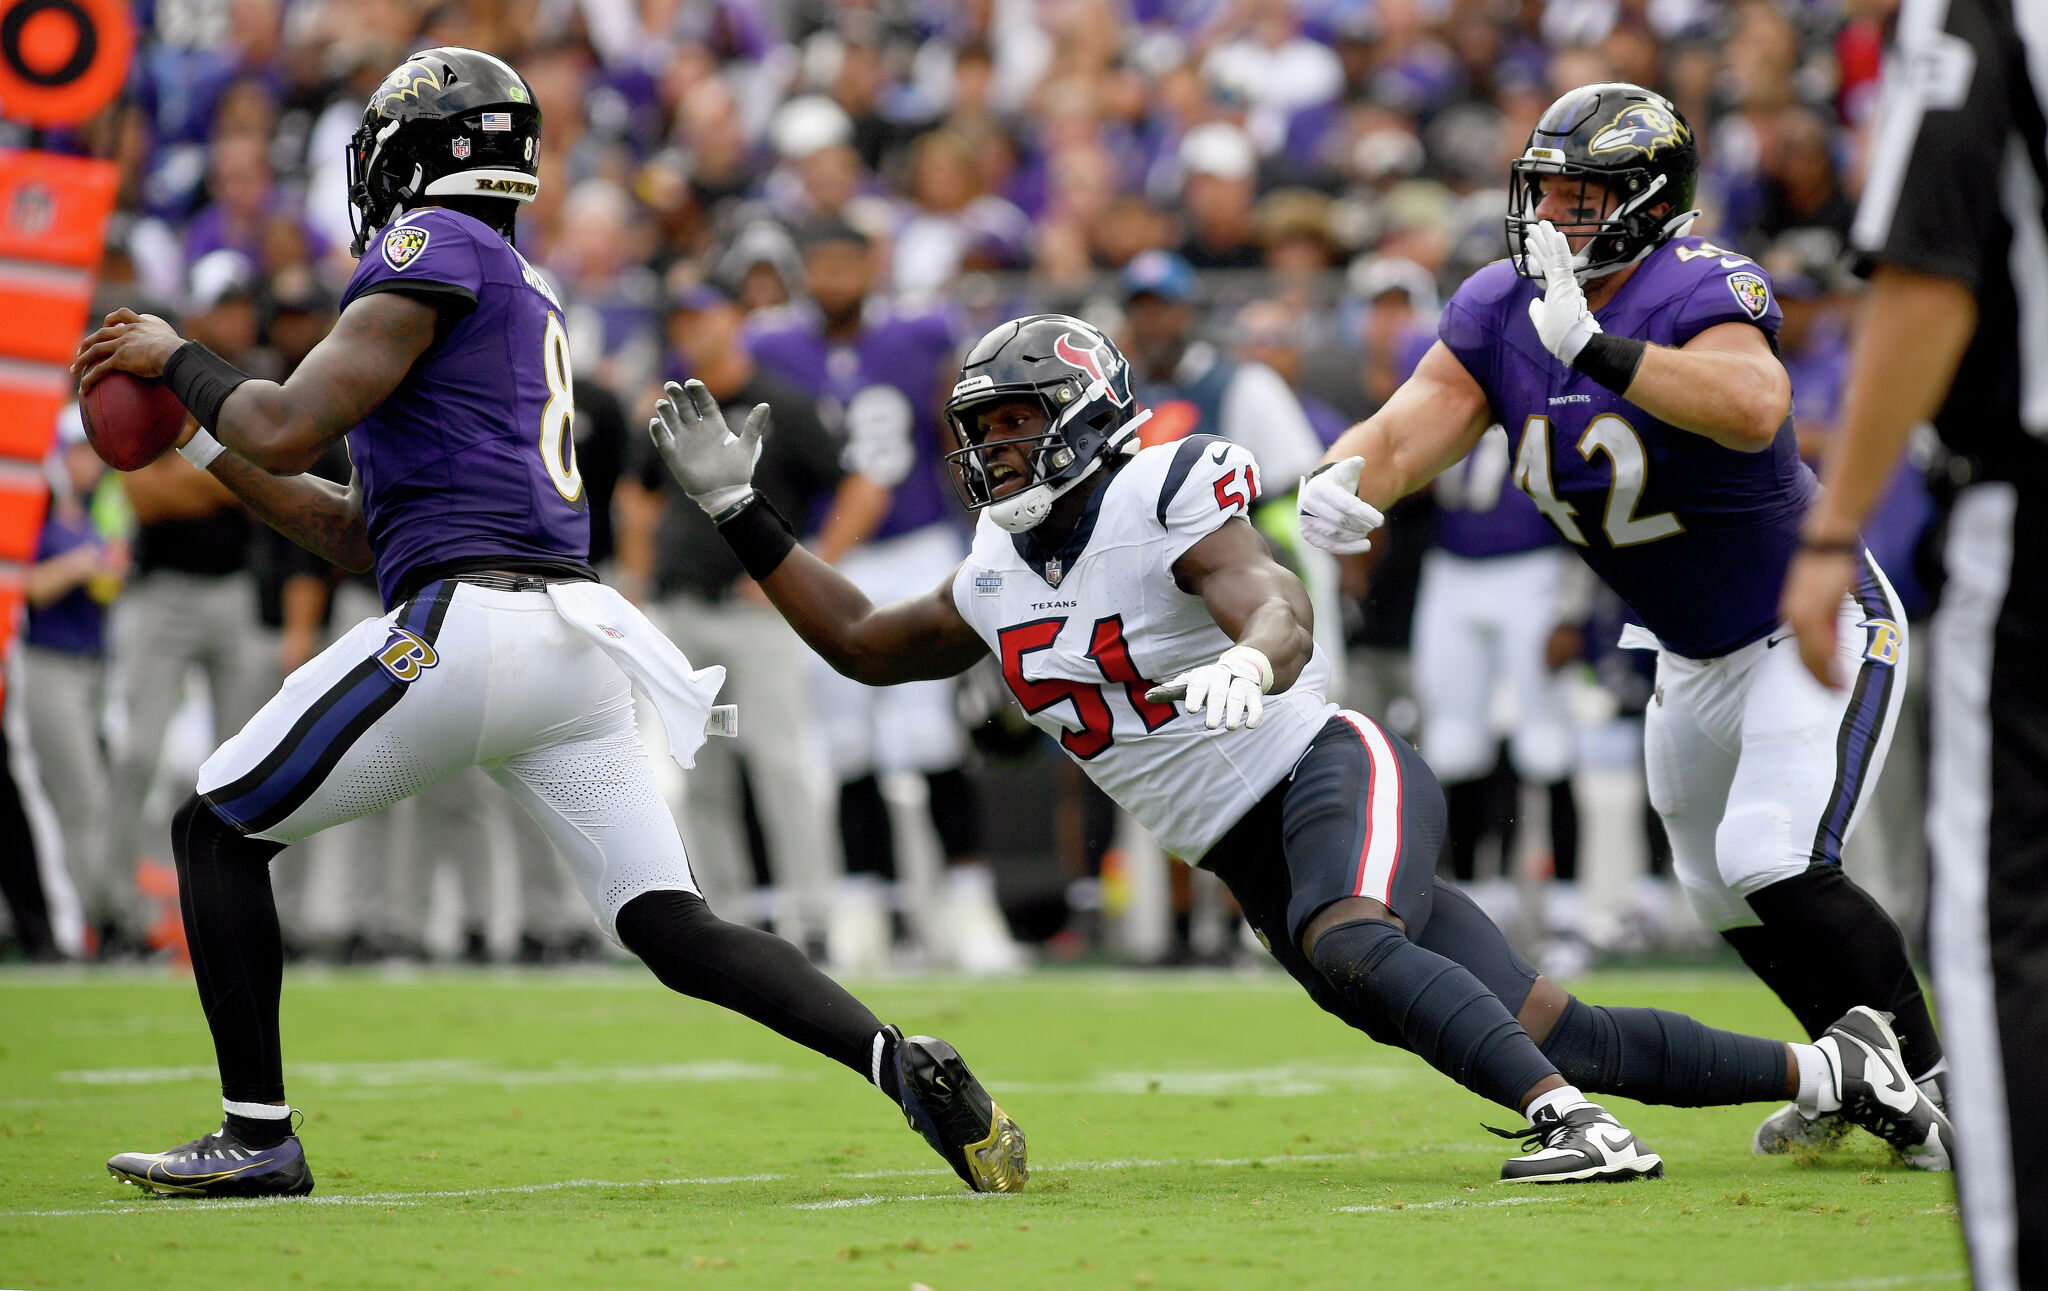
1442 1012
1564 831
865 834
258 1131
1857 955
1654 1056
237 951
751 972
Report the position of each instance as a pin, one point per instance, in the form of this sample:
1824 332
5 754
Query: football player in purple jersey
1635 370
449 373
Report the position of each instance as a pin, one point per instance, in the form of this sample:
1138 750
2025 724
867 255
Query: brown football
131 420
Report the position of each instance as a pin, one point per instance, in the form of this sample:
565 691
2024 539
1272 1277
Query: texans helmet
1081 380
1620 141
447 122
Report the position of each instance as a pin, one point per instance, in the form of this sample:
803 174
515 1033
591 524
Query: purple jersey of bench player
892 371
473 455
1479 514
1694 536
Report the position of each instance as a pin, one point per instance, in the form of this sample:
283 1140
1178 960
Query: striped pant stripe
1861 734
279 784
1381 846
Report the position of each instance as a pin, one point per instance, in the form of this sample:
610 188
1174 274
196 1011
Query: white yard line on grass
163 1206
1453 1204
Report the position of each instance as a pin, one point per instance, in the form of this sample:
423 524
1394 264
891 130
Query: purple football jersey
885 384
1694 536
474 454
1479 514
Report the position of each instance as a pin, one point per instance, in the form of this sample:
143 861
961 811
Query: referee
1955 328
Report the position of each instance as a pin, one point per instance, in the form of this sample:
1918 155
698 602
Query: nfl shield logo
1055 570
403 245
460 148
1751 292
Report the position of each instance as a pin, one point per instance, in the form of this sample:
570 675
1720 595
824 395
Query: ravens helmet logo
406 83
1639 127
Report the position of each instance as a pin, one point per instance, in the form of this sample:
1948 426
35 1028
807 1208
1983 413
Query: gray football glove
714 466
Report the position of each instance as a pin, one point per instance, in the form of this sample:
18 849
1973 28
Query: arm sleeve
1208 480
428 253
1727 293
1931 191
1261 413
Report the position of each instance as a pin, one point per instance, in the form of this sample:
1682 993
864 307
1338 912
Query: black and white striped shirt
1955 187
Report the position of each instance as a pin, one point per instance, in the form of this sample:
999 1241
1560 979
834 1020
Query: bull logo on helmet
1640 127
1088 359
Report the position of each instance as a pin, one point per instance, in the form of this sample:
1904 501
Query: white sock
256 1111
1558 1102
974 879
1819 1086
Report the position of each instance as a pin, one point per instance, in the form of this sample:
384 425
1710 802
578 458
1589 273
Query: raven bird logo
407 82
1086 360
1640 127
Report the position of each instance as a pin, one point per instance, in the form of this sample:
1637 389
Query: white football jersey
1083 633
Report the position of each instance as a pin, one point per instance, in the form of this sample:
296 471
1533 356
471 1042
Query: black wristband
758 535
1611 360
1831 546
202 380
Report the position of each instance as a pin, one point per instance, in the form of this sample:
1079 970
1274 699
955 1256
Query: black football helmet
1622 138
1081 380
447 122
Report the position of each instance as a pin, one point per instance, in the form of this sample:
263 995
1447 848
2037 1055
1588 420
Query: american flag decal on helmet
496 121
1086 360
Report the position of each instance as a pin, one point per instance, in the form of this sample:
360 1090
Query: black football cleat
1583 1145
218 1165
944 1102
1876 1092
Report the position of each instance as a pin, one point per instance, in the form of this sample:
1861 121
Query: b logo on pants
1885 640
406 655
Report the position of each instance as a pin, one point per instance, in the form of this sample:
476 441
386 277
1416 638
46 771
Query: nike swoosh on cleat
1613 1139
1890 1091
196 1180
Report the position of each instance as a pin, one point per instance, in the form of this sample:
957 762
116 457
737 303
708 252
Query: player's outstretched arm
284 428
914 640
1724 384
1431 421
1251 596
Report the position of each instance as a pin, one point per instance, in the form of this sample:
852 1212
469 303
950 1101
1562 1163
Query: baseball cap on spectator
298 290
1218 148
218 277
70 425
1293 213
695 297
809 124
824 231
1162 274
1371 277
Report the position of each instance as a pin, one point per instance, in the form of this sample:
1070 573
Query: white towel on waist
681 694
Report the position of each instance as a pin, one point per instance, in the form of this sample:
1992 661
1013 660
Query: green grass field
592 1130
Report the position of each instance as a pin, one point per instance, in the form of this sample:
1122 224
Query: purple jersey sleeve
1470 327
1727 288
429 252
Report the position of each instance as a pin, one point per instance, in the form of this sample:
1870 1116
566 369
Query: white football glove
1230 689
714 466
1563 323
1329 511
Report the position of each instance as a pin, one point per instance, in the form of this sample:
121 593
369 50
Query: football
131 420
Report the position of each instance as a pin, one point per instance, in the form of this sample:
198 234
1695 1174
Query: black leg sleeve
753 973
1856 955
1441 1012
1655 1056
237 951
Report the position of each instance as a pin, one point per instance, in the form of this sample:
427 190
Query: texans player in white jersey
449 373
1635 370
1097 569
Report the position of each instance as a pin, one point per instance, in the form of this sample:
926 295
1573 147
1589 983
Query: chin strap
1027 508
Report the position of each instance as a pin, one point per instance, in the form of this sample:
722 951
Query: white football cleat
1877 1094
1584 1144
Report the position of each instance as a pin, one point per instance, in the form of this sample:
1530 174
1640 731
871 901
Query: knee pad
1754 847
1541 754
1458 750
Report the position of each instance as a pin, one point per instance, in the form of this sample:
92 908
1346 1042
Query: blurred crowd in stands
820 204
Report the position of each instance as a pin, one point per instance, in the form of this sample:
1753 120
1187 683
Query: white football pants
462 676
1758 770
